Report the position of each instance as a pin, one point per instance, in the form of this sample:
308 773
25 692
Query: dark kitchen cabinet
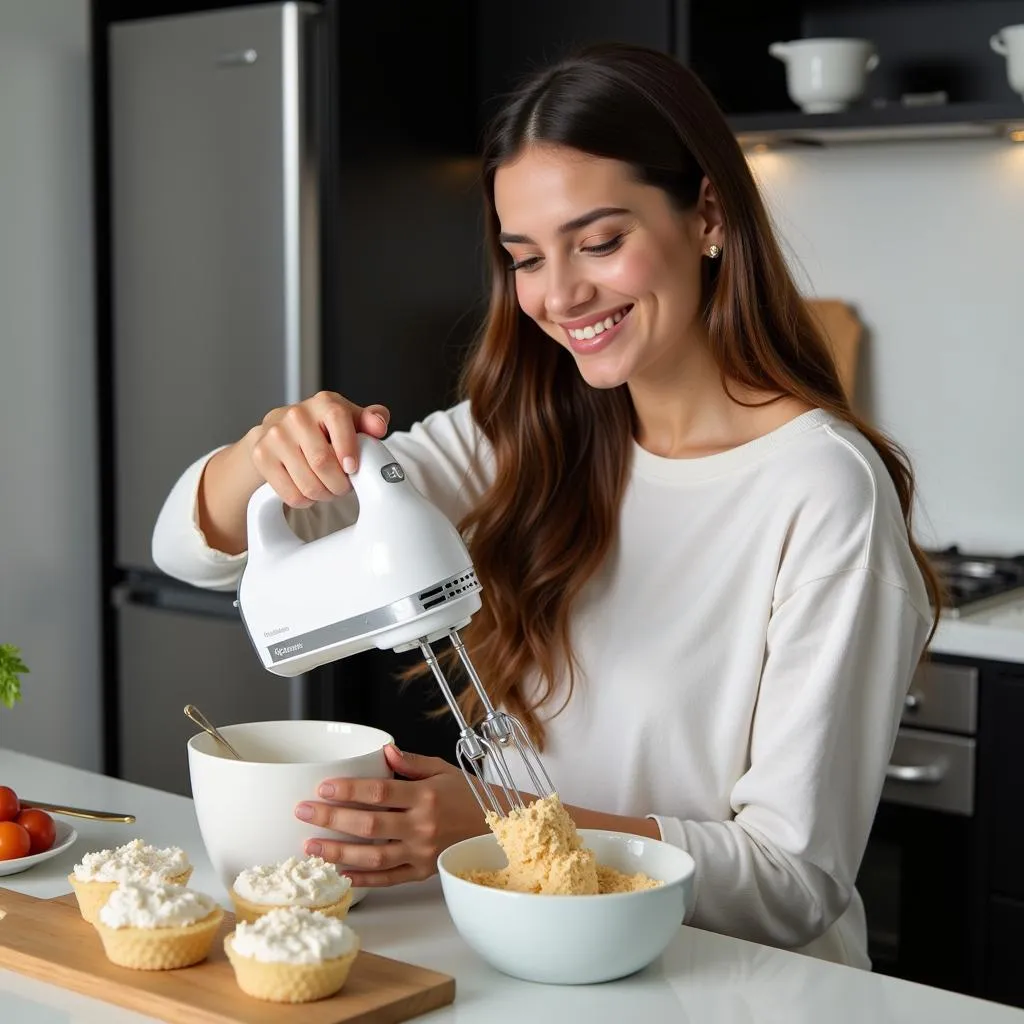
1001 792
514 40
1003 979
944 893
1003 707
927 48
999 881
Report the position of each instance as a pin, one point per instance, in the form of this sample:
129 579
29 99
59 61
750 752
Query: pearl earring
714 251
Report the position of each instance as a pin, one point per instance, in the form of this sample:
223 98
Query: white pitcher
1009 43
825 75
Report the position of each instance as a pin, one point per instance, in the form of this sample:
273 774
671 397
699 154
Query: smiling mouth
594 337
598 327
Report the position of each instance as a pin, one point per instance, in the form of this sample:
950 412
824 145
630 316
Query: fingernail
348 464
394 747
383 422
313 848
304 811
327 790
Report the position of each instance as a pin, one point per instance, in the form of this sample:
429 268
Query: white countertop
995 634
701 978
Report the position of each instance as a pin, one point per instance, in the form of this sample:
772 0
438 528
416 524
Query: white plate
65 836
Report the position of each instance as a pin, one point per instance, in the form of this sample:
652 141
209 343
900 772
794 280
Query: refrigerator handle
174 597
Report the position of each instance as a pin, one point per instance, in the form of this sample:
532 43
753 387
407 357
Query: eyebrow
585 220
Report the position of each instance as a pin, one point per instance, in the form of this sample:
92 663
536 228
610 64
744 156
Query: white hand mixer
399 577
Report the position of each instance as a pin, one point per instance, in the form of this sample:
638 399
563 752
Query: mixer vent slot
449 590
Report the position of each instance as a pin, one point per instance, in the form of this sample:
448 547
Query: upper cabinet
925 68
518 38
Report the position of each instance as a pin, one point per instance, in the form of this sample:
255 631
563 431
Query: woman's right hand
306 451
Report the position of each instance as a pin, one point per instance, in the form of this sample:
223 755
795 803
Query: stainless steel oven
918 872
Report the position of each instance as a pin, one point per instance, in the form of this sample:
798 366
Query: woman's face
605 265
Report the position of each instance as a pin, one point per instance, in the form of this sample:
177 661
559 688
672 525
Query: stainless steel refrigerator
279 211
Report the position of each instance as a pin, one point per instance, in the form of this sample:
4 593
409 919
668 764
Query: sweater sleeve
839 658
443 456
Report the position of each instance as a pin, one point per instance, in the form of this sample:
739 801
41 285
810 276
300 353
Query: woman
700 590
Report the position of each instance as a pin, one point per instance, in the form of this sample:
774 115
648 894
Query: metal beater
502 734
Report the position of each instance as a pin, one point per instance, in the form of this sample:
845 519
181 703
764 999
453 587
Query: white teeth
587 333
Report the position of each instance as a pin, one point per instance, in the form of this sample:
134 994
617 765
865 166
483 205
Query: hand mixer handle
269 534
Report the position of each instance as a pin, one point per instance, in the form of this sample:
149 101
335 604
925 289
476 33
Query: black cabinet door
1004 980
1002 727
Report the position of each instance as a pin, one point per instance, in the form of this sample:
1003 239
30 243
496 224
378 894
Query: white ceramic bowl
570 940
246 809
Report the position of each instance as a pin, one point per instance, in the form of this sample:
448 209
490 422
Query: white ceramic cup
1009 43
824 76
246 809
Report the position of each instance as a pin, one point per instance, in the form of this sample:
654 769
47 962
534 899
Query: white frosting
293 935
133 861
154 904
295 882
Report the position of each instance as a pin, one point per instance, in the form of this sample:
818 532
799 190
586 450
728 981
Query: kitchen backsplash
926 241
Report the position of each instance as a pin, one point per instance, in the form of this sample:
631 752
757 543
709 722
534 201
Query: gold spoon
204 723
79 812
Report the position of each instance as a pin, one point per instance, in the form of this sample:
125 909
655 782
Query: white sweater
744 654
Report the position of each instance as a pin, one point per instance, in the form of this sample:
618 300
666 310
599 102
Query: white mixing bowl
246 809
570 940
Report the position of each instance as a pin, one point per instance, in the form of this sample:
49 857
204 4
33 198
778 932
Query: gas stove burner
972 580
980 570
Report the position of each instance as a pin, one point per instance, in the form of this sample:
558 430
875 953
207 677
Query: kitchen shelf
892 122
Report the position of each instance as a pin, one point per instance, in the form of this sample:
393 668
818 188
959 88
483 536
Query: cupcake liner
160 949
246 910
289 983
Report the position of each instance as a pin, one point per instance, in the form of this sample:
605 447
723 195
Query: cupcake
151 925
99 873
292 955
309 882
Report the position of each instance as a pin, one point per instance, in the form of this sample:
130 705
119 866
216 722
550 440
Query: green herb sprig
11 668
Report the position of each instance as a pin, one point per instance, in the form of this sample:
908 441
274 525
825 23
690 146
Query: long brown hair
561 448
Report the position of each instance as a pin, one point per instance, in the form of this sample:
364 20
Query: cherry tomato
40 828
10 805
14 840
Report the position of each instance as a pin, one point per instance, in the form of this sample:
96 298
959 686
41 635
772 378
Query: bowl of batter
541 900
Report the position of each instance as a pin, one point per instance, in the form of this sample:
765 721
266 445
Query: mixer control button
392 472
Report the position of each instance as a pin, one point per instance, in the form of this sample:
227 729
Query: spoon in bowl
204 723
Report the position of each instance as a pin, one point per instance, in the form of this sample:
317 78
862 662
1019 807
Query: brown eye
529 263
604 248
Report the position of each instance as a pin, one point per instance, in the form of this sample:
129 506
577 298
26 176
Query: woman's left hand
417 816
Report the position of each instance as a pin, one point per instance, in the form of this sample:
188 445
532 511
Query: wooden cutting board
48 940
843 331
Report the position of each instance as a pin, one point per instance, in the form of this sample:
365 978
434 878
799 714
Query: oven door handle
921 774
